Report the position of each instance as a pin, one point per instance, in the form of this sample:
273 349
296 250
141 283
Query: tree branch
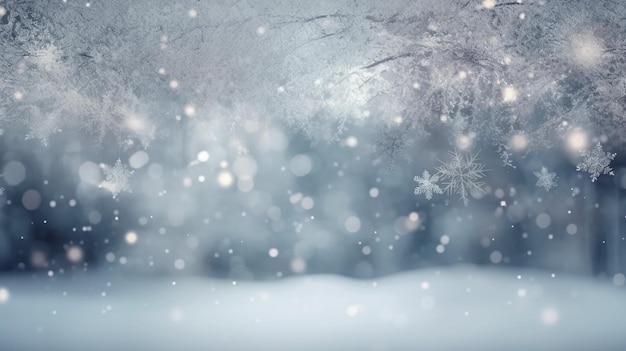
508 3
387 59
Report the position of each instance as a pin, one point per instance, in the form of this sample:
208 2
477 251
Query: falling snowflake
505 156
427 185
1 191
461 175
116 178
546 180
596 162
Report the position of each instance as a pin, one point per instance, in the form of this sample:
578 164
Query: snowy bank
450 308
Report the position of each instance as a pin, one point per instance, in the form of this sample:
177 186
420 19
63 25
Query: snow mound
453 308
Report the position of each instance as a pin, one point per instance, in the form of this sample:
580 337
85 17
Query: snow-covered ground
454 308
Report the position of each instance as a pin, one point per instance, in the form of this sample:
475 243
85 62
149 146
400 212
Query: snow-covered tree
488 72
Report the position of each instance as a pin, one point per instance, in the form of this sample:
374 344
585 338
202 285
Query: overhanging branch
387 59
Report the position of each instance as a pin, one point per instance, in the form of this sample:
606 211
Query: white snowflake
427 185
116 178
546 179
596 162
461 175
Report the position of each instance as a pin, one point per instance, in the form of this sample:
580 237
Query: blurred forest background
261 139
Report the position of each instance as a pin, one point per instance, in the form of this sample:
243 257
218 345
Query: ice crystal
116 178
546 179
461 175
427 185
596 162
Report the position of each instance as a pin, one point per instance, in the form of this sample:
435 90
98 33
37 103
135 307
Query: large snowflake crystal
427 185
461 175
116 178
596 162
546 179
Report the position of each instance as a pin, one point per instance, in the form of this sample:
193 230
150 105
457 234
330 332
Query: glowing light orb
273 252
352 224
225 179
203 156
352 310
463 142
190 110
489 4
75 254
4 295
549 316
352 142
298 265
518 142
509 94
577 140
179 264
131 238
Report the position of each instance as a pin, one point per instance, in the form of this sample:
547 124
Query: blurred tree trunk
609 217
602 227
592 234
